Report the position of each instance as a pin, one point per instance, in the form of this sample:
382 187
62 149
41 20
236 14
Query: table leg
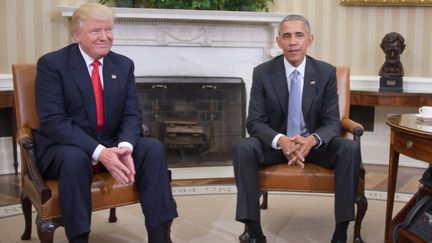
391 188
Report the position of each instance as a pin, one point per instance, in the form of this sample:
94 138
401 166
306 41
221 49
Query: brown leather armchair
313 178
41 193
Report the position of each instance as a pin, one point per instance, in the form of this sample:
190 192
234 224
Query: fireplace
199 119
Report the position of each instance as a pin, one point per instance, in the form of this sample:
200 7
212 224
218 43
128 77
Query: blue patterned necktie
294 105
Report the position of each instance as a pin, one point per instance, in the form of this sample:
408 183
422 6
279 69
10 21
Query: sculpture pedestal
391 84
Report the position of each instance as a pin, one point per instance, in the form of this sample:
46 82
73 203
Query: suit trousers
341 154
73 168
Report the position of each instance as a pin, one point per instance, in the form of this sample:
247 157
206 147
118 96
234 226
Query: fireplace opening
199 119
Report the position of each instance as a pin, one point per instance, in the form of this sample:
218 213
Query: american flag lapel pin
113 76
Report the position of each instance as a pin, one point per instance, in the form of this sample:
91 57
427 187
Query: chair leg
46 228
112 215
168 231
26 208
362 205
264 204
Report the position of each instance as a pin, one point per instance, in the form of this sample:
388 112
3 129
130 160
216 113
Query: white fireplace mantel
175 27
173 42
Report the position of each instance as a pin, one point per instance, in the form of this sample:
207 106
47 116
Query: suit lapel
82 78
280 84
311 80
111 78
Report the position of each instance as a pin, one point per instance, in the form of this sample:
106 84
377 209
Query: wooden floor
376 179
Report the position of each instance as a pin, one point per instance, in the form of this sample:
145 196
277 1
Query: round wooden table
409 136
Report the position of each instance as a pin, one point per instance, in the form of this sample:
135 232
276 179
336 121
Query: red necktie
98 92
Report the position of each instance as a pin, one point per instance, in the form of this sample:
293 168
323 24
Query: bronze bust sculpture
393 44
391 72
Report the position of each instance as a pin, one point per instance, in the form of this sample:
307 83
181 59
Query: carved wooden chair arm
25 139
356 129
24 133
145 130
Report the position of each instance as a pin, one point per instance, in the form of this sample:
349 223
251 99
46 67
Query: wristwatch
317 139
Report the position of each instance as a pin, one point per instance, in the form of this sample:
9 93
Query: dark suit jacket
268 105
66 105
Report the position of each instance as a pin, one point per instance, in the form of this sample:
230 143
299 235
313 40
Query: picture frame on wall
387 2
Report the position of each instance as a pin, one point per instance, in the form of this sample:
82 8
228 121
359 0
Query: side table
409 137
374 98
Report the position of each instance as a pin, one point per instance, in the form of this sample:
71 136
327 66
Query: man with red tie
87 104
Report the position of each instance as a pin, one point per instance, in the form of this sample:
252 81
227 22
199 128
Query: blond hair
88 11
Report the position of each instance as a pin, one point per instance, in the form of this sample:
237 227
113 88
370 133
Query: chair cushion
311 178
106 193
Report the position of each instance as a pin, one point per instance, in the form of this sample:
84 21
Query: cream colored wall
350 35
31 28
344 35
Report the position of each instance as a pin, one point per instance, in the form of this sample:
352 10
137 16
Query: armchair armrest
24 133
25 140
145 130
356 129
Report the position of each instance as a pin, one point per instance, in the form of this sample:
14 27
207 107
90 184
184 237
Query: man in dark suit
83 126
281 134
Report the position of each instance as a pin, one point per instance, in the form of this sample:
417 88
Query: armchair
42 193
313 178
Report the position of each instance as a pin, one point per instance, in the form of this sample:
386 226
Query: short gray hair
292 17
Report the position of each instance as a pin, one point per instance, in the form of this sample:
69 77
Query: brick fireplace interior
199 119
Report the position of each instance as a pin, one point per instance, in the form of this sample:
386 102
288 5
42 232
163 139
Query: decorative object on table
424 3
391 72
425 114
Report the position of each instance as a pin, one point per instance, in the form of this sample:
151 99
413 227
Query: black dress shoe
252 240
245 238
84 238
160 234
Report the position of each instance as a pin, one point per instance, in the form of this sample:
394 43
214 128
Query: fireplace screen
199 119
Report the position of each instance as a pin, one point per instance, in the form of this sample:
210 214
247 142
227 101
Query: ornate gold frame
387 2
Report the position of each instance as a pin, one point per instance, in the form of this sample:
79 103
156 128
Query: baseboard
6 82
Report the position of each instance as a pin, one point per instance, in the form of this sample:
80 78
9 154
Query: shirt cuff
318 139
125 144
96 154
275 140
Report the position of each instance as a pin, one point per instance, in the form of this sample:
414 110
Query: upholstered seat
104 189
309 179
313 178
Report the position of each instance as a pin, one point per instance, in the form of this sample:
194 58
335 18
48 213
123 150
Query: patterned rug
206 214
15 209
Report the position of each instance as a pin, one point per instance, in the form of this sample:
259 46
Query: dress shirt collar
88 60
290 68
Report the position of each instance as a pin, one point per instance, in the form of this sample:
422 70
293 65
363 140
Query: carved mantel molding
174 27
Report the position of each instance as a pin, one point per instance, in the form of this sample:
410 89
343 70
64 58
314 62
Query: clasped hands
119 162
296 148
